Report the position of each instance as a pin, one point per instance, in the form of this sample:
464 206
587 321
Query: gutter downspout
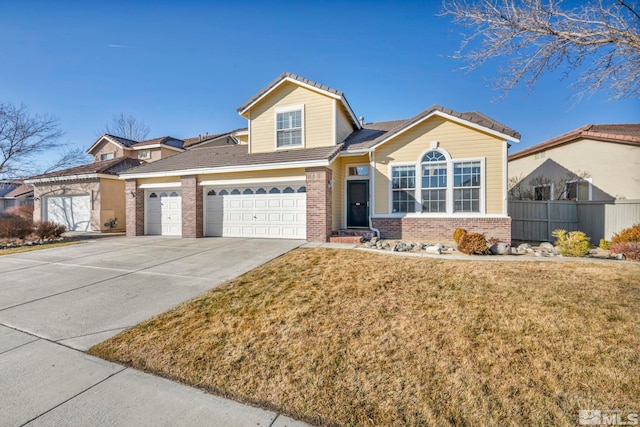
372 192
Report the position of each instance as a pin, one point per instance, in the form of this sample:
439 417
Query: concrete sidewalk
55 303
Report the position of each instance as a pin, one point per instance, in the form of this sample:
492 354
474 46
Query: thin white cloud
119 46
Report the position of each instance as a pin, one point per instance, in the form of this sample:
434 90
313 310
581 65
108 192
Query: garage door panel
74 212
163 213
255 215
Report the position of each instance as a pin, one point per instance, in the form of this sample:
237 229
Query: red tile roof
626 133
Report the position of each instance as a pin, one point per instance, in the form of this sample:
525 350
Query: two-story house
91 197
307 167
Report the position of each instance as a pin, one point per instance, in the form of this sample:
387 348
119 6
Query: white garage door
74 212
163 212
259 211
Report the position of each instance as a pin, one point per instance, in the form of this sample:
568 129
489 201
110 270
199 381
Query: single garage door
74 212
267 211
163 212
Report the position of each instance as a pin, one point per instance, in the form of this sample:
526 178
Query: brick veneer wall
191 207
135 208
318 204
440 230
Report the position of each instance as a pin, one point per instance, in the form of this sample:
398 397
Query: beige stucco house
594 162
307 167
91 197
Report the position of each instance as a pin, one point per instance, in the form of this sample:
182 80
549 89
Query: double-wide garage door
259 211
74 212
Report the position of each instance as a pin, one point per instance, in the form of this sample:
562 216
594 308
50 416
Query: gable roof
163 140
23 189
374 134
626 133
168 141
204 139
233 157
301 81
106 167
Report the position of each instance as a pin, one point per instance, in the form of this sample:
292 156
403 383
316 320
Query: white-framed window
144 154
577 190
543 192
107 156
434 182
357 171
290 127
466 186
403 188
446 185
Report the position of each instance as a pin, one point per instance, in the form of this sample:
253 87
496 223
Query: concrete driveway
56 303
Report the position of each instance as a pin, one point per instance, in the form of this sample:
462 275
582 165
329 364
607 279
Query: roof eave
77 177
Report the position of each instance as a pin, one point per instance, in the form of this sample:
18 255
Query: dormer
109 147
294 113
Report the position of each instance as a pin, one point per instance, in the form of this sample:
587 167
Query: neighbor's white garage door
163 214
260 211
74 212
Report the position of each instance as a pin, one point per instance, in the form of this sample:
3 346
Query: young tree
600 40
24 137
127 127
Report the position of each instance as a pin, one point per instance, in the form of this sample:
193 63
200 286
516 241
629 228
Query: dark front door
357 203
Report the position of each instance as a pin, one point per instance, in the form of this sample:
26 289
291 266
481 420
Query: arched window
274 190
224 192
288 190
247 191
163 194
434 182
261 191
235 191
302 189
211 193
153 195
174 194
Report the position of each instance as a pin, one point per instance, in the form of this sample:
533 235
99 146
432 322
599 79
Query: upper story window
107 156
144 154
289 127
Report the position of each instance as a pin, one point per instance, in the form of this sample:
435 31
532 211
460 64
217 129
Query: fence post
549 220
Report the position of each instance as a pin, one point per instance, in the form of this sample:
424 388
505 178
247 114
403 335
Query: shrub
473 244
604 244
631 234
14 227
630 250
572 243
458 233
48 229
24 212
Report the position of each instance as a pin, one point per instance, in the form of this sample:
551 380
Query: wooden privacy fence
533 221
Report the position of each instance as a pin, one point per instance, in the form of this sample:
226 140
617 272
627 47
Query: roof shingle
108 167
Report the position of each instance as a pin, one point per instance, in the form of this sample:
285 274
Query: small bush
572 243
14 227
473 244
631 234
48 229
604 244
458 233
24 212
630 250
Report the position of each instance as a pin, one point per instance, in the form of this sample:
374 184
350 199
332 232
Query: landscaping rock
374 240
368 245
385 245
433 250
500 248
547 246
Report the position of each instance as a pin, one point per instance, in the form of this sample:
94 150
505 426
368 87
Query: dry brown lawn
20 249
343 337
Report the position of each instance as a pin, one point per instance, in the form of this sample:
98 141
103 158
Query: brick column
191 207
319 185
134 202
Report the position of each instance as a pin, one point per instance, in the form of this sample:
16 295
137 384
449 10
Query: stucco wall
614 169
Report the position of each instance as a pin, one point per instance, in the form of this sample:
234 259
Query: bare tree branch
599 40
127 127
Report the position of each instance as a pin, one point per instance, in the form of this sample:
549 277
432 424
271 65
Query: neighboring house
15 193
91 197
594 162
307 166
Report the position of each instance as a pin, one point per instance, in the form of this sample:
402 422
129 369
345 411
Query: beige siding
106 147
459 141
243 139
112 203
318 117
614 169
344 128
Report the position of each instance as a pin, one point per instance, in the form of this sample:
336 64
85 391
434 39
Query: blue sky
184 67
